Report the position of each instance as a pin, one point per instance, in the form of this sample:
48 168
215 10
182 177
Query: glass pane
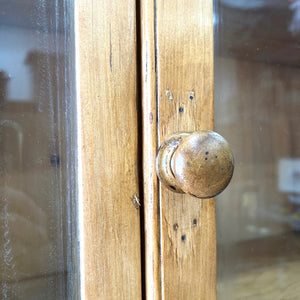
38 252
257 109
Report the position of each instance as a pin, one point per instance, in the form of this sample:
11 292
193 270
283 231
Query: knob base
164 158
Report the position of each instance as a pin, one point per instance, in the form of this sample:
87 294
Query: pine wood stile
106 40
185 69
151 198
182 102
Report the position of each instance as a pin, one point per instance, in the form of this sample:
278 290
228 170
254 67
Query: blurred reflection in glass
38 235
294 27
257 109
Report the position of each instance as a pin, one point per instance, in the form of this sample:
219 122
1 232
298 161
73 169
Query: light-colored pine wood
106 62
185 103
151 199
183 36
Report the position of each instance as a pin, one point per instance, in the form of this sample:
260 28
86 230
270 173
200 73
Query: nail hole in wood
54 160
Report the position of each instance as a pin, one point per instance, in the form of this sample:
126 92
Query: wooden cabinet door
177 95
146 72
77 161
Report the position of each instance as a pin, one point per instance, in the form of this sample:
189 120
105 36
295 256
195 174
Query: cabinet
146 71
83 215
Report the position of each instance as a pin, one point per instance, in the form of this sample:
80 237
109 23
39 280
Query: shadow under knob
200 164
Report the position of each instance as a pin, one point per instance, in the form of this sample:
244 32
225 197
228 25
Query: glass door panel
38 250
257 108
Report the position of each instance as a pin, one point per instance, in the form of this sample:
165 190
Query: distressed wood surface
150 183
184 32
110 231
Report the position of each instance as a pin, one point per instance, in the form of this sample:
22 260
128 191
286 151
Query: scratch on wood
136 201
110 49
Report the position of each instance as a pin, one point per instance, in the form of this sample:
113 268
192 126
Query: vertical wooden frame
107 110
177 92
151 205
181 34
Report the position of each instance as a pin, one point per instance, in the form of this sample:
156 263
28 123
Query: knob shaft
200 164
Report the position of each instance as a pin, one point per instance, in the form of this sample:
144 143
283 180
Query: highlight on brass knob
199 164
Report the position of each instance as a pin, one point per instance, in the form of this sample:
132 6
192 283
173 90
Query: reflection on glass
38 254
257 109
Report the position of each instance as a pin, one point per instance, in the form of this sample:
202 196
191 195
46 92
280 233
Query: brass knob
199 164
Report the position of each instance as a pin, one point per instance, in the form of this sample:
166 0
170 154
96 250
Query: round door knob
199 164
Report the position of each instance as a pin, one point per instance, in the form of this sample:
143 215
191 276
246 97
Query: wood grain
149 106
106 39
185 103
